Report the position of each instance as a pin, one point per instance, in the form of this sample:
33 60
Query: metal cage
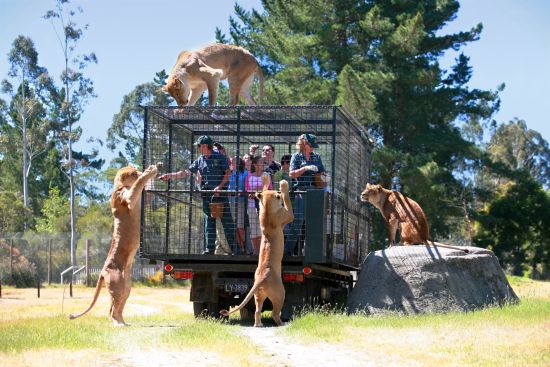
173 219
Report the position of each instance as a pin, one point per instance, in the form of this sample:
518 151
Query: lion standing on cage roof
196 71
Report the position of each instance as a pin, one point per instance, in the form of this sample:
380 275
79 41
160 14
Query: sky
134 39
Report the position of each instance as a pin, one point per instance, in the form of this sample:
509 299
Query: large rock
425 279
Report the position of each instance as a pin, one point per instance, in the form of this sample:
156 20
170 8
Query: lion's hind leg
259 298
277 297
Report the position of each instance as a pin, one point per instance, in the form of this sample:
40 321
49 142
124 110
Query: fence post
11 258
87 262
49 261
0 288
38 285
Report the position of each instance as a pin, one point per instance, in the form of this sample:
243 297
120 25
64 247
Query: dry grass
164 332
37 332
514 335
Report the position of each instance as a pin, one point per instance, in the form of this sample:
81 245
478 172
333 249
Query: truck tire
246 314
206 309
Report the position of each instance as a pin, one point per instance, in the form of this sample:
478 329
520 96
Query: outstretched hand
312 168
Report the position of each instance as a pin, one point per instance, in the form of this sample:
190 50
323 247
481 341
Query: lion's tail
260 74
439 244
96 295
248 296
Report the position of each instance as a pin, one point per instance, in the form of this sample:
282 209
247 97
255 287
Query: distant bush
24 274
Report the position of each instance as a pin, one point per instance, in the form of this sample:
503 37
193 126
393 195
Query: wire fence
28 257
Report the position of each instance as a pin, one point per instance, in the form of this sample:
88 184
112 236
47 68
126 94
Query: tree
27 112
516 225
520 148
380 60
127 126
76 93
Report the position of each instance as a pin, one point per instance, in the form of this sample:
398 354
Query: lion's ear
259 195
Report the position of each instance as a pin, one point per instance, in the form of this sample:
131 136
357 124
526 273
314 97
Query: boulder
426 279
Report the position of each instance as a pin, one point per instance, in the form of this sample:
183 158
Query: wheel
200 309
246 314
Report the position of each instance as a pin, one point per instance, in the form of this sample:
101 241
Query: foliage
127 126
12 213
520 148
55 214
380 60
516 226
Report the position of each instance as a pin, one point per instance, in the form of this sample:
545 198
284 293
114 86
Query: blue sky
133 39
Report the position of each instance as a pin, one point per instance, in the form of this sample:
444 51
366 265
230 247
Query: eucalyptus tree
29 86
76 93
520 148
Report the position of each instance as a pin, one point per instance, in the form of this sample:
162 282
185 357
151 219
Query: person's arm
298 172
224 180
175 175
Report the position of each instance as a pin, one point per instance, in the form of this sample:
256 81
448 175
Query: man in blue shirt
215 172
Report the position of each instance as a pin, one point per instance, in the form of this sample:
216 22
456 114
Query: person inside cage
215 172
304 164
247 159
237 199
254 183
283 173
271 166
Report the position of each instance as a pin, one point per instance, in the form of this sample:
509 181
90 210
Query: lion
401 212
268 282
194 72
117 270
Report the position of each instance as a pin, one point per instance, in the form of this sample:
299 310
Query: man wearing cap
303 165
215 172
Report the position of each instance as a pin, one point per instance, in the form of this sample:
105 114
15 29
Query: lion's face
176 88
126 176
372 193
271 200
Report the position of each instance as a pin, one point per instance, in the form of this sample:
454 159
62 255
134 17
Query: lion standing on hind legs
126 209
402 213
275 213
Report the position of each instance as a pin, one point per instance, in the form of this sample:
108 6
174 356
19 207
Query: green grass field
37 332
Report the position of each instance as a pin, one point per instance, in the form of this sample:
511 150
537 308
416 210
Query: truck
333 241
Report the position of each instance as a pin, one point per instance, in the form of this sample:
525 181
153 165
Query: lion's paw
283 185
151 170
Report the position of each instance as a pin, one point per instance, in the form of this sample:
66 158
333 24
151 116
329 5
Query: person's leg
293 233
229 226
209 225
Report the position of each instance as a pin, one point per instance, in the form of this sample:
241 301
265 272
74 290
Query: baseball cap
204 139
311 140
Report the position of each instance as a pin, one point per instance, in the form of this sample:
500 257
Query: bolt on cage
173 219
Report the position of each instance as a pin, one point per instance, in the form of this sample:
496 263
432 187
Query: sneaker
222 251
208 252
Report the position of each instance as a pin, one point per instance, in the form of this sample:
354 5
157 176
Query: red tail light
168 268
184 274
306 270
293 277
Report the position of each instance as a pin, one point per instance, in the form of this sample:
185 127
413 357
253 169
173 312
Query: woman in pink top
254 183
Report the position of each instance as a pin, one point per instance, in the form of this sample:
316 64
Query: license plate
236 287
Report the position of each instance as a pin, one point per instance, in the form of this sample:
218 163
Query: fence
28 256
139 273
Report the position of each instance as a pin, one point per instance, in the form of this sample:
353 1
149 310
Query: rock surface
427 279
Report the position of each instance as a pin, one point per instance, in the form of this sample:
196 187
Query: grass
37 332
34 331
513 335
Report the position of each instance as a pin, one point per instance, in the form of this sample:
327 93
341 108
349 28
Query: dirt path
289 353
